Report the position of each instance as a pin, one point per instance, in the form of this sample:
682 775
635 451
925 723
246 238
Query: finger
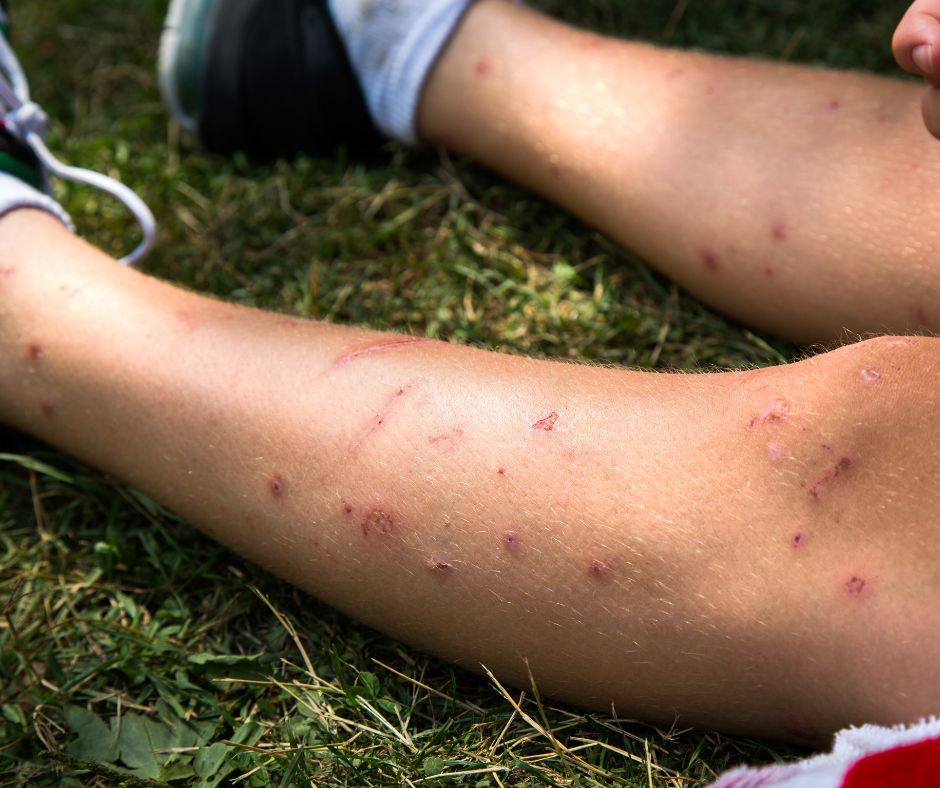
916 42
931 110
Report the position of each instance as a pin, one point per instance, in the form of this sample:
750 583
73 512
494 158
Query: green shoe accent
18 169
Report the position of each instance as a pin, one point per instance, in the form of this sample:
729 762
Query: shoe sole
179 65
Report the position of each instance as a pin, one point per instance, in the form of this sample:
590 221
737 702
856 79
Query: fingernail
922 55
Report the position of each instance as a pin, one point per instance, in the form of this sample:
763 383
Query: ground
123 631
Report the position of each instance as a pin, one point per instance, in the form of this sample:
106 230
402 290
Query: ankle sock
393 44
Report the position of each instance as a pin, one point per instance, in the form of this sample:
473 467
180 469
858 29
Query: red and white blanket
907 756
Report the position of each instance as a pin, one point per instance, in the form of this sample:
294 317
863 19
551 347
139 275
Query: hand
916 47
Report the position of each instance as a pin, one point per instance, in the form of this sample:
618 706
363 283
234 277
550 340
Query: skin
748 551
916 47
802 201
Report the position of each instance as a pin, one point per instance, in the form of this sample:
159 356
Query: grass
134 649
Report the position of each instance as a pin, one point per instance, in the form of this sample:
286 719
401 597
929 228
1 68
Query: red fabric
911 766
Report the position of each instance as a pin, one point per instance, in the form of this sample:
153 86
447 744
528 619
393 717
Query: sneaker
26 163
269 78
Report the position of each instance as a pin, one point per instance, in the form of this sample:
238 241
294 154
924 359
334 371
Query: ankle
393 50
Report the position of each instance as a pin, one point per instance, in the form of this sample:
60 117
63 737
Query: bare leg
800 200
751 551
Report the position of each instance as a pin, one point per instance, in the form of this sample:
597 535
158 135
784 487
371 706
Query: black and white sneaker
269 78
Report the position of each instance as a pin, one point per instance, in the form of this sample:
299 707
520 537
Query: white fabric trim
15 194
829 770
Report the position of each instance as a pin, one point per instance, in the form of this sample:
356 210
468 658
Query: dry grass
123 631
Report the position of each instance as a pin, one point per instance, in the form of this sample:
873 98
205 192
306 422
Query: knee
886 380
876 429
858 430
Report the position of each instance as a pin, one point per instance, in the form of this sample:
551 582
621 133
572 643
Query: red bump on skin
835 104
798 540
501 471
869 376
855 586
47 408
769 271
34 351
379 523
6 273
185 319
597 569
277 486
841 466
775 412
547 424
710 261
380 346
778 230
347 508
483 66
511 542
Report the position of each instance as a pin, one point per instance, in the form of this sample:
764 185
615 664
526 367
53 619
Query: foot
916 47
267 77
278 77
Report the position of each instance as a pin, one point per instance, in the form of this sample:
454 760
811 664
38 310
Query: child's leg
801 200
751 551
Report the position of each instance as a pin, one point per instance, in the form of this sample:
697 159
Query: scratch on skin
447 437
379 420
380 346
597 569
379 523
440 566
547 424
775 412
837 470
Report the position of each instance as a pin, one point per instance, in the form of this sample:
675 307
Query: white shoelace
26 121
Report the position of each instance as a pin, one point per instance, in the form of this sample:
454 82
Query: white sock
393 44
15 193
